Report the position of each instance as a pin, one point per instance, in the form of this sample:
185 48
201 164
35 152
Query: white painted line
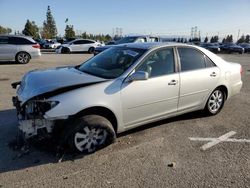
214 141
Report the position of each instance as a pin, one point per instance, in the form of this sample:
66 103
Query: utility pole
238 35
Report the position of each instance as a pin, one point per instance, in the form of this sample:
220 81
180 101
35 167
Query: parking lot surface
169 153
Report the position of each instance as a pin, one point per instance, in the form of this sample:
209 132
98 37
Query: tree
241 39
5 30
69 32
247 39
31 29
49 26
206 40
223 40
229 38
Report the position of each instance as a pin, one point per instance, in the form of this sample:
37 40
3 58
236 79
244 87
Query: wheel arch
102 111
24 52
224 89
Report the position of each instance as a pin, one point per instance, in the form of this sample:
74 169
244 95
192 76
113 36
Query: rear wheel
89 133
23 58
91 50
215 102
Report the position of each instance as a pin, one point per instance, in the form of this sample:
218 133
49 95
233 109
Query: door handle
213 74
173 82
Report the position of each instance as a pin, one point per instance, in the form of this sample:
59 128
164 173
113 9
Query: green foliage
49 26
206 40
69 32
241 39
214 39
247 39
5 30
100 37
31 29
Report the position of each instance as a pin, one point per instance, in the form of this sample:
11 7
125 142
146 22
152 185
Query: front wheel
91 50
215 102
65 50
89 133
23 58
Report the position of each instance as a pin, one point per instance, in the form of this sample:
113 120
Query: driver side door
148 100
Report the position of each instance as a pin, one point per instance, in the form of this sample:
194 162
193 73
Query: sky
158 17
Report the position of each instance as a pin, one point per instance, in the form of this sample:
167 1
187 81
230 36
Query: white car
51 44
78 45
18 48
124 87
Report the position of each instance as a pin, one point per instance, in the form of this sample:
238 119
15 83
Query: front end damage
32 121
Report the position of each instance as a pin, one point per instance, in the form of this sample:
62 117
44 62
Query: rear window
20 41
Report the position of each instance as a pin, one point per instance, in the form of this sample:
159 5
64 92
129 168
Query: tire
22 58
215 102
65 50
88 134
91 50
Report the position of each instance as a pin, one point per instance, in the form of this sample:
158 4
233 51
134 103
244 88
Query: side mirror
139 75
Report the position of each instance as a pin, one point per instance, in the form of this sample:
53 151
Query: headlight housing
39 107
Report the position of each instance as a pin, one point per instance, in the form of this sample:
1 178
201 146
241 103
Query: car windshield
112 62
126 40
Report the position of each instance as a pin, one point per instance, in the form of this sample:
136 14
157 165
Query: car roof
151 45
20 36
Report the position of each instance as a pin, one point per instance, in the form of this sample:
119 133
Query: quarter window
158 63
191 59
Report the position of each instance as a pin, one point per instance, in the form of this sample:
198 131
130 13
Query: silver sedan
122 88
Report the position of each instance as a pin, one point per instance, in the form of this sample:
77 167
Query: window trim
179 61
153 51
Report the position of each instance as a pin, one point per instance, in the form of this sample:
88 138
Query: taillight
36 46
241 70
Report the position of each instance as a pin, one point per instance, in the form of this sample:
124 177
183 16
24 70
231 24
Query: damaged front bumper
31 117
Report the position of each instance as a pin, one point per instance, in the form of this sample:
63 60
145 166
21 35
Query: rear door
7 50
77 46
198 77
86 45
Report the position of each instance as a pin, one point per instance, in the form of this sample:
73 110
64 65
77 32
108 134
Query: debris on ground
172 165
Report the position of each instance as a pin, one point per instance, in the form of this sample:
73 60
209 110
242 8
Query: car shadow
9 63
187 116
43 152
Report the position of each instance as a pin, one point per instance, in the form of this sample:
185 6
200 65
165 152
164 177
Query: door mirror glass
139 75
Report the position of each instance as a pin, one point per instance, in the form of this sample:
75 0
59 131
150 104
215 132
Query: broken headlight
39 107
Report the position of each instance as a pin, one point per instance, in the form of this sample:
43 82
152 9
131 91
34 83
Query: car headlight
39 107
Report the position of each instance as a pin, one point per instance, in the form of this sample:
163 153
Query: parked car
122 88
231 47
129 39
213 47
246 47
18 48
78 45
51 44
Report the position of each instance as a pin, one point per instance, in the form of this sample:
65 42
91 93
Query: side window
88 42
140 40
79 42
153 39
158 63
3 40
19 41
191 59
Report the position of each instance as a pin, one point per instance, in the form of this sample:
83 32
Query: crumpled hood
40 82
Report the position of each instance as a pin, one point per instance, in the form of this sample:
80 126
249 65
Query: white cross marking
214 141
